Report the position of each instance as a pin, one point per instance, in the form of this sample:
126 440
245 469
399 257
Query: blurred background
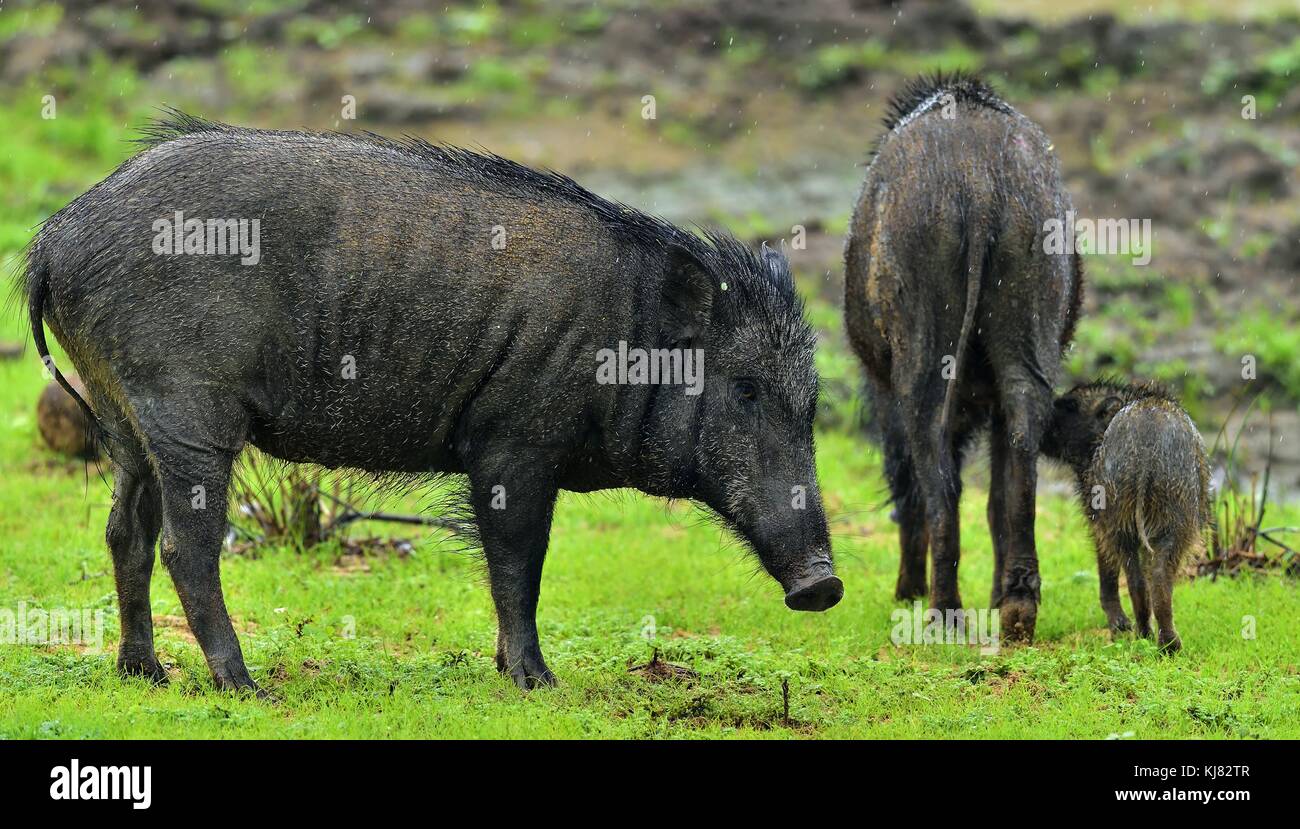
764 112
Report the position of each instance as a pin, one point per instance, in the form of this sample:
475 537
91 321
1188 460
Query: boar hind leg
909 506
193 462
1024 406
194 522
132 534
1137 591
938 472
1160 586
1108 577
513 509
997 508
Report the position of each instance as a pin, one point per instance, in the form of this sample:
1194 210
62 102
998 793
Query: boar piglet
1143 478
411 309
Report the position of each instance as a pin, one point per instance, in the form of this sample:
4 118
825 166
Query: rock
61 421
1284 253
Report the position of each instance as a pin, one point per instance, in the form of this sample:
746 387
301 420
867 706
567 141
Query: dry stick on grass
351 514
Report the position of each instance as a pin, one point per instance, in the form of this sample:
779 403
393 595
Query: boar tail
1140 520
976 250
1140 516
38 287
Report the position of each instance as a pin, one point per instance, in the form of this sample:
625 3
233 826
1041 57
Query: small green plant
840 63
1238 539
1270 343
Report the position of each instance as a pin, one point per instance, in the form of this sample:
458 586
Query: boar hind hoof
822 594
143 666
1119 623
528 672
236 678
1170 643
529 679
906 591
1017 618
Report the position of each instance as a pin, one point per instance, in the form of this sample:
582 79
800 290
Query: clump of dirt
658 670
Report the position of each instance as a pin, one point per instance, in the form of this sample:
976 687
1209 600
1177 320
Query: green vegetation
391 646
1269 77
1273 342
395 644
839 63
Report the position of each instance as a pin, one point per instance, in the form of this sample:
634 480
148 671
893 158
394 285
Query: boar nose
817 589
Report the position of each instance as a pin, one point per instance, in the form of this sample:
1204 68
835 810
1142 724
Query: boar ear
777 265
686 298
1108 408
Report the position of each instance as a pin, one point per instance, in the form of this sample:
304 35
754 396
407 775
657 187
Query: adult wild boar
960 316
411 309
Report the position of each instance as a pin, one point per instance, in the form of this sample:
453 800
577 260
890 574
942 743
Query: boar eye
746 390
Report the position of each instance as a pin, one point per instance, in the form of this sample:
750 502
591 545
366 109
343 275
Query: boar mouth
816 589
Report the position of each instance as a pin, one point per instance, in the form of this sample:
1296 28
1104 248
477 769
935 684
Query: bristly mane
924 92
1140 390
927 91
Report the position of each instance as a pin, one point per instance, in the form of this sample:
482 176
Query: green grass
420 663
403 646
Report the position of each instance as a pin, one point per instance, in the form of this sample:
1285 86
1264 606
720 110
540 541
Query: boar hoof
145 666
535 676
1170 643
528 672
1119 623
1017 617
235 678
906 591
944 604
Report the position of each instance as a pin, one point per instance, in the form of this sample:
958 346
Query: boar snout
815 588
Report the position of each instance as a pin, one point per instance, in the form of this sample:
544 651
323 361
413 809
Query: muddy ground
764 114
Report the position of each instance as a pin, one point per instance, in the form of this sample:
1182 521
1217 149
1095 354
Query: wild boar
413 309
1144 481
959 314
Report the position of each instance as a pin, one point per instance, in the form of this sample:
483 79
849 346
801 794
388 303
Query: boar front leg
513 506
997 507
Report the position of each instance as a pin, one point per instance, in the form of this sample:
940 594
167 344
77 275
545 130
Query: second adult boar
959 315
411 309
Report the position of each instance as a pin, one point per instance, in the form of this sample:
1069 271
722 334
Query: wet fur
944 258
470 360
1135 444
